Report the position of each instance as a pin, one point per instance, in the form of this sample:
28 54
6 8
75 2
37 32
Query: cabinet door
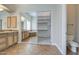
3 46
13 21
10 39
3 42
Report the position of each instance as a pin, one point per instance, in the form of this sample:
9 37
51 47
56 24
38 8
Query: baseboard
58 48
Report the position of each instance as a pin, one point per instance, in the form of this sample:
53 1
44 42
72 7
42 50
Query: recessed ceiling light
1 9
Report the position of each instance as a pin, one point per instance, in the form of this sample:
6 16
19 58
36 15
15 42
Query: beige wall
70 19
73 18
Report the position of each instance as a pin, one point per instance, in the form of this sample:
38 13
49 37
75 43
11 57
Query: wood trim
8 22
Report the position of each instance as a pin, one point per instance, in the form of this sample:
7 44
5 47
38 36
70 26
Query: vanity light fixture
22 18
1 9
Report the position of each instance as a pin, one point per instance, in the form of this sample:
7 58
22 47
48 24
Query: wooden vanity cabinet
3 41
25 35
8 39
12 38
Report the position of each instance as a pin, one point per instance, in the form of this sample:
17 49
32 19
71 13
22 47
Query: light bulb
22 18
1 9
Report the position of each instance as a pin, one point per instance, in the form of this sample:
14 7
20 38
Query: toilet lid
74 44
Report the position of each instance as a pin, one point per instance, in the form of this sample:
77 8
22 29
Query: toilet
74 45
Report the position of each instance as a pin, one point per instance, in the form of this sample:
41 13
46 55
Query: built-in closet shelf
42 29
43 16
47 18
42 22
43 36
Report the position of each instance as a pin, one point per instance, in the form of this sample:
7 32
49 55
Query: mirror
3 18
29 27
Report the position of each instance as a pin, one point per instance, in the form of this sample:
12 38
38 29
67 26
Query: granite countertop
2 32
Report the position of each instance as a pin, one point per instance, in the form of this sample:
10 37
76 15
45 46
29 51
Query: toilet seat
73 44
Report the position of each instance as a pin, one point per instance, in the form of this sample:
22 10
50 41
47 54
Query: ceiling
30 7
11 7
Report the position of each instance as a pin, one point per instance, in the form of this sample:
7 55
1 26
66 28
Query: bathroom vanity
7 39
25 35
28 34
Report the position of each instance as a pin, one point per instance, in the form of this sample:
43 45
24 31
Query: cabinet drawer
2 46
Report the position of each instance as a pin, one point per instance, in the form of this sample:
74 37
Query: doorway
36 27
29 27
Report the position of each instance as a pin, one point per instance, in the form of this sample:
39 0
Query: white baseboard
58 48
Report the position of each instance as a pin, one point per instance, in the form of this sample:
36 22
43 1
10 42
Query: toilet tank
70 37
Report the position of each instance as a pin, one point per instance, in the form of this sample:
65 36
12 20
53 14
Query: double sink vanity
8 38
28 34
